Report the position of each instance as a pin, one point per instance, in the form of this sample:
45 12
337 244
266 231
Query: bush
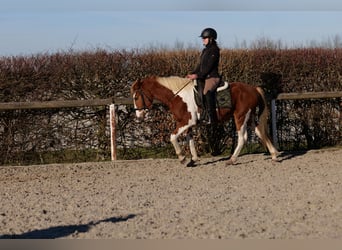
104 74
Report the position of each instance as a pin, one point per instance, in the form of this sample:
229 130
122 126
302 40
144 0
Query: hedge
103 74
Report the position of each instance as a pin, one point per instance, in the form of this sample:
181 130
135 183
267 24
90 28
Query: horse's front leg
174 141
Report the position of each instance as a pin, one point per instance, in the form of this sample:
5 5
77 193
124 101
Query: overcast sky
39 26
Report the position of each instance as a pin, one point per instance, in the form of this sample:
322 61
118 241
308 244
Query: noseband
143 96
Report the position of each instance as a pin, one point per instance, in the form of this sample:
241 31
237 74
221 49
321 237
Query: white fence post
112 131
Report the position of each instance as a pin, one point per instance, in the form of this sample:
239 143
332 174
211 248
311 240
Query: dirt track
299 197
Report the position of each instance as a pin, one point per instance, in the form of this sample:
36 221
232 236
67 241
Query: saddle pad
223 98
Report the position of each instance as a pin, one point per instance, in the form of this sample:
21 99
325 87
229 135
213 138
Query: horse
177 93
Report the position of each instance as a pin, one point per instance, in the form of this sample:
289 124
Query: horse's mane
175 83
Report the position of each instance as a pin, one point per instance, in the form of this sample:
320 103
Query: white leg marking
174 141
267 142
242 138
193 149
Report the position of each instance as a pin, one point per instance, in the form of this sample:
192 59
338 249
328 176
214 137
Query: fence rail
128 101
309 95
55 104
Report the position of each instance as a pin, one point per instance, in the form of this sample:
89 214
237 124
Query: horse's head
142 98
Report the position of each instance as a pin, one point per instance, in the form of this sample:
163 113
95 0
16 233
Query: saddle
223 97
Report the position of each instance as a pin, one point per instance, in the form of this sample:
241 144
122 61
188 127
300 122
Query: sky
47 26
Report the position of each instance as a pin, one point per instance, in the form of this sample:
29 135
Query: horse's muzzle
140 114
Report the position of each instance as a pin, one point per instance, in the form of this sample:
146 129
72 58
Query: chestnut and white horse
178 94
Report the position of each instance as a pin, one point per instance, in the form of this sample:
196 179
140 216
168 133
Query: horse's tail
263 114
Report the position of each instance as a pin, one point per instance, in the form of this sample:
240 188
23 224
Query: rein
186 84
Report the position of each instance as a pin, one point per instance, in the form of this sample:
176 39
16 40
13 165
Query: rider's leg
200 89
210 98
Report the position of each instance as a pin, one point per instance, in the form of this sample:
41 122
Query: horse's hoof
276 160
230 162
191 164
183 160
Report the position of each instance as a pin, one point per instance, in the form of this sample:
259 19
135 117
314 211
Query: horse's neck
163 96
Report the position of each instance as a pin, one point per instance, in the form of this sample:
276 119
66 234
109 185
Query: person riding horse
207 75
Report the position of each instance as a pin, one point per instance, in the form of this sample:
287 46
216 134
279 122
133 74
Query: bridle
143 96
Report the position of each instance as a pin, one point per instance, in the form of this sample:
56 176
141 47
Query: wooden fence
128 101
297 96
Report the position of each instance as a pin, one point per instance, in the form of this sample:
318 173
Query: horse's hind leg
242 137
192 147
266 141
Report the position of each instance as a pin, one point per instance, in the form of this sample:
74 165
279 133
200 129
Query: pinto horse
178 95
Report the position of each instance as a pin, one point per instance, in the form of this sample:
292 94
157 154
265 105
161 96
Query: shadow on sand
283 156
63 231
286 155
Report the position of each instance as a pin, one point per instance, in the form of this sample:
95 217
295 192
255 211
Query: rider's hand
192 76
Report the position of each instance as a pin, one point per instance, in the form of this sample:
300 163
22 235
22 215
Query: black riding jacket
209 62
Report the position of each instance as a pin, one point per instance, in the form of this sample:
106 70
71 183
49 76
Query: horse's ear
136 85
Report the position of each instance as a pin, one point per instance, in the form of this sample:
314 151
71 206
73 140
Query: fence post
112 131
274 122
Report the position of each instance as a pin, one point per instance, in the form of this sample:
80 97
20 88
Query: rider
207 75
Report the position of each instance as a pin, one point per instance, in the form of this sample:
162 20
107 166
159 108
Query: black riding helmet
209 32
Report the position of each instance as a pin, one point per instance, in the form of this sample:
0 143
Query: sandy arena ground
298 198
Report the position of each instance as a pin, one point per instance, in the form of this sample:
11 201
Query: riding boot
211 106
200 88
